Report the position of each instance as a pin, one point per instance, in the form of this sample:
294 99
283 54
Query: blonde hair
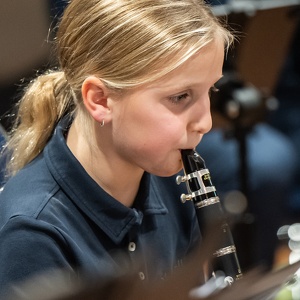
125 43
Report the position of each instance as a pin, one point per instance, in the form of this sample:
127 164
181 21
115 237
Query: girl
97 141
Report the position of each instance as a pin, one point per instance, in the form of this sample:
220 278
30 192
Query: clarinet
208 208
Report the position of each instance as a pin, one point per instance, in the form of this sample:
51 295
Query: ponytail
46 100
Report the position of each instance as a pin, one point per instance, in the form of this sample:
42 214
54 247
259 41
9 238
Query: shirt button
142 275
131 246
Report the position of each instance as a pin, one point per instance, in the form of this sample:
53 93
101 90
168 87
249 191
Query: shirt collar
110 215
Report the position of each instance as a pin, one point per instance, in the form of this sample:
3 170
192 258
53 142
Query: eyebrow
181 86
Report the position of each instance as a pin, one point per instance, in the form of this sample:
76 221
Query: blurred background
253 149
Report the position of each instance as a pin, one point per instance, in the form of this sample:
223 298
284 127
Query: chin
169 172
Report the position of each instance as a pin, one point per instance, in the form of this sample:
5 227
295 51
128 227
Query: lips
188 148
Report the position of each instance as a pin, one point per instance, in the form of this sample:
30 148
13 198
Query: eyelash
213 89
178 98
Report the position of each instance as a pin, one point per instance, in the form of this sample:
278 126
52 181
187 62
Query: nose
201 117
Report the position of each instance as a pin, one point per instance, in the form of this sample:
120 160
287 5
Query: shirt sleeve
29 247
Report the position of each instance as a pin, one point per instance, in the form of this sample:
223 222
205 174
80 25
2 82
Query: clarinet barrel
209 209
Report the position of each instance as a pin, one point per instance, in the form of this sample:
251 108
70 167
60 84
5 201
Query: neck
117 177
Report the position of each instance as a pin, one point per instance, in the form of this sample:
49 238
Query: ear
94 94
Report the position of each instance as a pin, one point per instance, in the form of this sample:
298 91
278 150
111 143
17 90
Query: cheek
148 124
145 129
153 146
147 136
159 132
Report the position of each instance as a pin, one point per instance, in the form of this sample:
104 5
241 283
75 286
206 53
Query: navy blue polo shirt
54 215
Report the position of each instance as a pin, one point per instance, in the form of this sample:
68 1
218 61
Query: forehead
203 67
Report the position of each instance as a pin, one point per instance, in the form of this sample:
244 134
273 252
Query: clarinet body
208 208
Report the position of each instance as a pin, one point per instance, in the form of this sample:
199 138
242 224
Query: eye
213 89
178 98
